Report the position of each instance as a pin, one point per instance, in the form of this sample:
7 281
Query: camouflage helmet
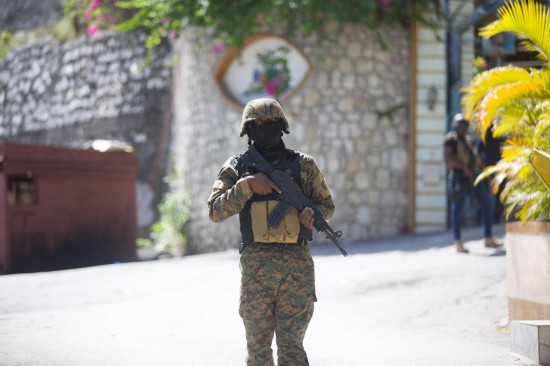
459 121
260 109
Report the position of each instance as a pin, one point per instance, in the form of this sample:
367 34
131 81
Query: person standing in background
489 152
463 166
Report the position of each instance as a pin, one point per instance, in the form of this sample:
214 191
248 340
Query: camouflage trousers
277 296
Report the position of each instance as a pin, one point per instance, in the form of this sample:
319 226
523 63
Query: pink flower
272 86
384 3
95 4
219 48
92 29
172 35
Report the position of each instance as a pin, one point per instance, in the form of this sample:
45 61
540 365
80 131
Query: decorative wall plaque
268 66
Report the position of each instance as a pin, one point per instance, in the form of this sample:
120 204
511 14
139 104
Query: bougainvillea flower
95 4
219 48
92 29
272 86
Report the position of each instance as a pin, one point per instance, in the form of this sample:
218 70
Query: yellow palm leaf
502 95
488 80
524 172
513 151
525 18
497 182
541 132
510 122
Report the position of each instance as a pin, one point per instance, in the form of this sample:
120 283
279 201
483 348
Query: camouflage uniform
278 281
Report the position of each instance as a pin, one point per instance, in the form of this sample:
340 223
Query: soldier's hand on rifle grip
260 184
306 217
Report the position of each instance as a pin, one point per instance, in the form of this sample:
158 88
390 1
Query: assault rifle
291 196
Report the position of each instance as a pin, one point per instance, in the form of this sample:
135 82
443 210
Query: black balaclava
266 135
267 138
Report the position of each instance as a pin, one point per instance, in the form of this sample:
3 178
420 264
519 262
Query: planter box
528 257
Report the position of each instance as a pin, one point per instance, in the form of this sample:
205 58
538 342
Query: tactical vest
253 217
462 149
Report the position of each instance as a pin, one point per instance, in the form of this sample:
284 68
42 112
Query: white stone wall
21 15
333 118
46 86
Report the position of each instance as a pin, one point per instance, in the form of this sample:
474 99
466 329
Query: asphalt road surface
409 300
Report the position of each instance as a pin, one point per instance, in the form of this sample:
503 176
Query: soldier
277 274
464 166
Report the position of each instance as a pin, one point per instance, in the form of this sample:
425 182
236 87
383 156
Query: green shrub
169 234
5 38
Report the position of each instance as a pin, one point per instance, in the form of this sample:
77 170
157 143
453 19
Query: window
21 190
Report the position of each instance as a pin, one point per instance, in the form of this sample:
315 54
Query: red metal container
65 208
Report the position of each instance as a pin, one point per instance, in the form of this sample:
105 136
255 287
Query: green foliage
64 30
480 65
5 38
11 41
232 21
169 234
68 27
74 11
515 103
144 243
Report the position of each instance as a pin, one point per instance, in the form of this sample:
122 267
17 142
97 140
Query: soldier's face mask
266 133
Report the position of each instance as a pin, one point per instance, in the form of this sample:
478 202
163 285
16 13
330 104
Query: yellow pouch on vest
287 232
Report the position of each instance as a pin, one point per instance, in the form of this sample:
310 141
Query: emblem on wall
268 66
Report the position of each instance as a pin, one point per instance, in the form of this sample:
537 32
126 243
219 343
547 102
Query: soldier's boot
491 243
460 248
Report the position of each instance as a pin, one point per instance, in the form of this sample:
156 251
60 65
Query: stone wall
19 15
342 116
92 88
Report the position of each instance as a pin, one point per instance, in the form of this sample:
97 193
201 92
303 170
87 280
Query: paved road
408 300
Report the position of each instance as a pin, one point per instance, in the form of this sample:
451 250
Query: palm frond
511 152
524 172
502 95
529 46
486 173
510 121
541 134
488 80
497 181
525 18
